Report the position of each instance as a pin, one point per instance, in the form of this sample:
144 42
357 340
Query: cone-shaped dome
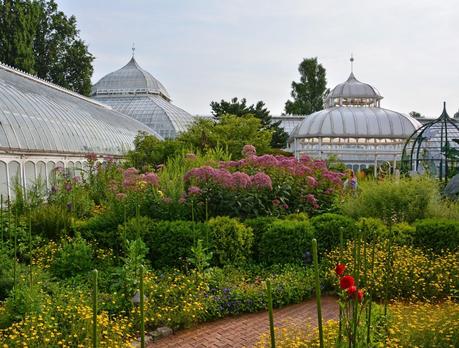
130 79
353 92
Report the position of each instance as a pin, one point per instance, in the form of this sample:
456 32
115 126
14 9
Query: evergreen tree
308 94
259 110
38 38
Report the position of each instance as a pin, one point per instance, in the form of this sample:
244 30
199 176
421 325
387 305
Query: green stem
142 313
30 248
270 313
373 242
94 310
319 307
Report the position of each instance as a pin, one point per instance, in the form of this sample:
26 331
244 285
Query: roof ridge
35 78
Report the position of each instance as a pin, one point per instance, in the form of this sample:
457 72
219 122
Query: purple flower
312 200
276 202
311 181
152 179
194 190
167 200
68 187
241 180
261 180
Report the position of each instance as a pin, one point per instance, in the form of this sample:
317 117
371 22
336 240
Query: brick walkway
245 330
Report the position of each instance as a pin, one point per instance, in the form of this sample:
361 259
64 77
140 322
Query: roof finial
352 63
133 49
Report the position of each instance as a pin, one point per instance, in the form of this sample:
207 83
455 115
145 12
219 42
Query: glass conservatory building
136 93
434 148
354 127
44 126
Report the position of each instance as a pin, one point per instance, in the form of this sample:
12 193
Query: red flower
340 267
351 290
346 282
360 295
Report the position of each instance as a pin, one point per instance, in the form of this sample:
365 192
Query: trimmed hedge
259 226
170 242
286 241
437 234
327 227
230 240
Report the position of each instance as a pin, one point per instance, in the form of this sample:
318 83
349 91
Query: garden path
245 330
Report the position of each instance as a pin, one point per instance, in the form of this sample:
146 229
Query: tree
150 151
231 133
38 38
416 114
308 94
259 110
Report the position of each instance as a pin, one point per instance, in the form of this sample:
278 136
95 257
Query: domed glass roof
434 148
39 117
353 88
130 79
357 122
136 93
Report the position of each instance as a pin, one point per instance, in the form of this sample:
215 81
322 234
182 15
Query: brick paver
245 330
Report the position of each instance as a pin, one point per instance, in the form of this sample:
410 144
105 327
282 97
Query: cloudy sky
204 50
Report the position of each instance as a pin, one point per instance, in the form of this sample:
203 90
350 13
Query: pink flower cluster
223 177
131 178
249 151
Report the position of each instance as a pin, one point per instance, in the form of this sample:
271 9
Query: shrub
50 221
286 241
23 300
231 241
403 233
393 201
74 258
327 228
170 242
372 228
259 226
437 234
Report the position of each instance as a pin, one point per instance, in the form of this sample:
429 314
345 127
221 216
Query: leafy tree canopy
231 133
38 38
240 108
416 114
308 94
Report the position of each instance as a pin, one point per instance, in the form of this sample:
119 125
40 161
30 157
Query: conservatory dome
434 148
137 94
44 126
353 127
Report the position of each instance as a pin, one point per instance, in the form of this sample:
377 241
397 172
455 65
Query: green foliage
403 233
102 229
234 290
437 234
259 226
23 300
38 38
286 241
328 226
240 108
50 221
6 272
149 151
170 242
393 201
201 256
75 257
372 228
308 94
231 241
231 133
